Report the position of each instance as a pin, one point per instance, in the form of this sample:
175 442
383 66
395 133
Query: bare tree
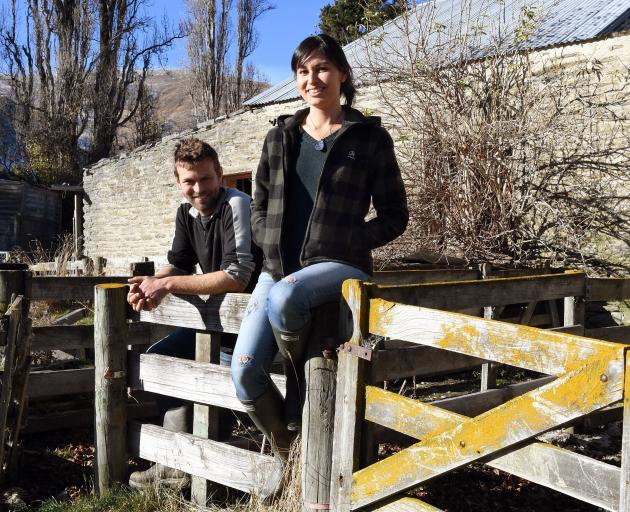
48 72
247 12
145 124
124 60
507 155
208 31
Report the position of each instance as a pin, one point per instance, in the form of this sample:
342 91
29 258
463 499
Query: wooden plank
618 334
237 468
82 418
488 292
82 336
624 493
607 289
474 404
570 396
397 277
349 401
219 313
418 361
110 390
69 288
540 350
576 475
205 418
203 383
407 505
71 317
571 329
47 383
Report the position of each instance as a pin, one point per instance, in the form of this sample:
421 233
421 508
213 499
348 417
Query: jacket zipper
284 177
319 182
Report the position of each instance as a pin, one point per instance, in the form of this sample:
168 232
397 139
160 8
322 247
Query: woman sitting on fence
319 172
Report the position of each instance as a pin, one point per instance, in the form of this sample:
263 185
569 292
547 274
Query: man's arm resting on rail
147 292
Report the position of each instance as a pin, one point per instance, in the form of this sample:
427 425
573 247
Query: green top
300 196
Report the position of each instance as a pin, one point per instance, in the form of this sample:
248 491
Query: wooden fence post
15 330
11 282
320 371
142 268
349 402
110 368
205 418
488 370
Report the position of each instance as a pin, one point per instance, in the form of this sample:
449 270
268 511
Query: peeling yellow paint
572 395
526 347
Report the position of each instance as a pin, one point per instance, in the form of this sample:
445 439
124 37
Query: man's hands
146 292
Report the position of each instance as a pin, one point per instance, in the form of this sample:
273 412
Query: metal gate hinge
357 351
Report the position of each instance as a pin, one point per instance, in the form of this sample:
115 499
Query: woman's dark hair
330 49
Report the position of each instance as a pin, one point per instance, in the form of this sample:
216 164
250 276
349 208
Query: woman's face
319 82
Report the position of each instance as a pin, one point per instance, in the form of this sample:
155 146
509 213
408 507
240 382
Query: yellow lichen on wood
407 505
526 347
584 390
406 415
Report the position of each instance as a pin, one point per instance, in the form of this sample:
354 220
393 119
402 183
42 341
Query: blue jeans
288 305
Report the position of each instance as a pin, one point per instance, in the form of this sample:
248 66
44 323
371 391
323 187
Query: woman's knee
248 377
287 305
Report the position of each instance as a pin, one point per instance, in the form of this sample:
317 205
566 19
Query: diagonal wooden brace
575 394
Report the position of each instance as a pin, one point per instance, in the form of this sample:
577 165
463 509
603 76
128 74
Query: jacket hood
289 122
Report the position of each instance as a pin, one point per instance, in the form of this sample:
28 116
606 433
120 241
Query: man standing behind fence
212 230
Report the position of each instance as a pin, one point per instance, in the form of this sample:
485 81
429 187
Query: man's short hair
192 151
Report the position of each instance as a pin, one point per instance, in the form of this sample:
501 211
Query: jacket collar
353 116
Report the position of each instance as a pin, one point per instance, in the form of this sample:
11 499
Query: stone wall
131 200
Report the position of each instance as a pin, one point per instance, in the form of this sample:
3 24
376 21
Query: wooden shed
28 213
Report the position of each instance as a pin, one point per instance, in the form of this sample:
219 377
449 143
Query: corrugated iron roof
562 22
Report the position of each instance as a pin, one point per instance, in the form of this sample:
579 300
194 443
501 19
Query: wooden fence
496 426
208 384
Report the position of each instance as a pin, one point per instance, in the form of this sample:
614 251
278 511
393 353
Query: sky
280 31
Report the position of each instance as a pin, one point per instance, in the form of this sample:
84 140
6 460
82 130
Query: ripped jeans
287 304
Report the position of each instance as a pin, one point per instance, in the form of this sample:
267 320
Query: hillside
175 107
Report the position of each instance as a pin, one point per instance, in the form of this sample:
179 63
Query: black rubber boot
175 420
292 346
267 414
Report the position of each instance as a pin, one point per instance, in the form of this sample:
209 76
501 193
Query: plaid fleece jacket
360 168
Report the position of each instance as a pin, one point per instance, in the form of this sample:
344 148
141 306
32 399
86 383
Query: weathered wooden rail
585 375
209 385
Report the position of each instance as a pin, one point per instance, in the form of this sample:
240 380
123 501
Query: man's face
200 184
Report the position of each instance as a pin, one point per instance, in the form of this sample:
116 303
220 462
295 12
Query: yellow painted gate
589 375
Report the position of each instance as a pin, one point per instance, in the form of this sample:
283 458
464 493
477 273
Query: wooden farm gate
209 385
585 376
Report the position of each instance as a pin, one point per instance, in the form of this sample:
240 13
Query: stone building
130 200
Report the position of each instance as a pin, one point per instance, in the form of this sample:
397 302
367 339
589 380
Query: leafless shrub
509 155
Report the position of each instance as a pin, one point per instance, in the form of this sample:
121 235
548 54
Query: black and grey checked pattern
360 169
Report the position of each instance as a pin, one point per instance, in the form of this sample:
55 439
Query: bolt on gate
587 375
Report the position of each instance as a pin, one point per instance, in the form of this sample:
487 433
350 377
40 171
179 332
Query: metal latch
357 351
